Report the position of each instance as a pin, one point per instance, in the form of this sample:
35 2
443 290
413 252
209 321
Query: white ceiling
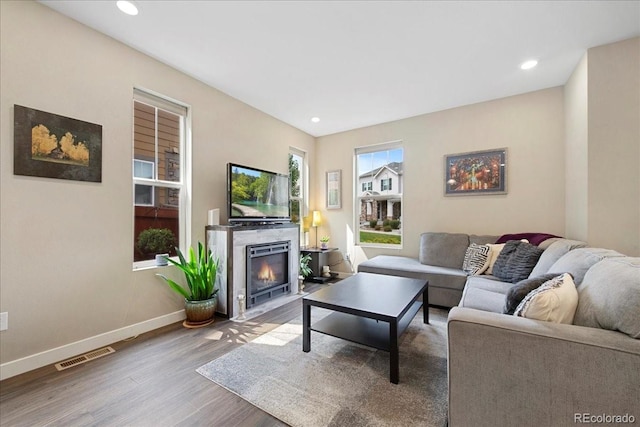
357 63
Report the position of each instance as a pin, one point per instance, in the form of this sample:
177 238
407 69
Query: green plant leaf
200 273
173 285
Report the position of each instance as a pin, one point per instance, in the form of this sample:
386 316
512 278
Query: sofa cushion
489 283
485 293
579 260
553 253
482 299
482 239
476 259
544 245
453 278
516 261
520 290
443 249
610 296
554 301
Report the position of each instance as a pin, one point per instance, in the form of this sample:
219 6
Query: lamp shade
316 220
306 223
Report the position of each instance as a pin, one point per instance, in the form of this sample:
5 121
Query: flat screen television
256 195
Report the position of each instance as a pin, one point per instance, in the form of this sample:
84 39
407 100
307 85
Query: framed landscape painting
476 173
53 146
334 189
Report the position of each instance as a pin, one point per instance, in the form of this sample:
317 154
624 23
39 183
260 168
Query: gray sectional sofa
440 262
509 370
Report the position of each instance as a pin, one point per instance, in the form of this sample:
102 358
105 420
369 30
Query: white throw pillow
494 251
554 301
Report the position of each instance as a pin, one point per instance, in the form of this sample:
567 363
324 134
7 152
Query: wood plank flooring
149 381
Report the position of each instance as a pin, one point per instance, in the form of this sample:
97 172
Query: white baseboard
48 357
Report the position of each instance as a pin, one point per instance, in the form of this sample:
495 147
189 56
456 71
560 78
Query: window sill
379 246
148 265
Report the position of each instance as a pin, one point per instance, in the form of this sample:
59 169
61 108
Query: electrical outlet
347 257
4 321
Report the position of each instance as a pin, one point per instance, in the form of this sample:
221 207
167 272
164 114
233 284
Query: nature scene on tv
258 194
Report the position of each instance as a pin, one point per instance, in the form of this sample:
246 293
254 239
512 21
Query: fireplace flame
266 273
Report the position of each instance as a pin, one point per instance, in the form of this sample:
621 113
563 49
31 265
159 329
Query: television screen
256 194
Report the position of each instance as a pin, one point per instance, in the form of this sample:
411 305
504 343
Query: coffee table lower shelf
362 330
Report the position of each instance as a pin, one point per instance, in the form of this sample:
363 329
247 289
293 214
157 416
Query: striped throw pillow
476 259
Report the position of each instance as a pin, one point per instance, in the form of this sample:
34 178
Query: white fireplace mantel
229 244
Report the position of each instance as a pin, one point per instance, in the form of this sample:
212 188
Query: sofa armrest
507 370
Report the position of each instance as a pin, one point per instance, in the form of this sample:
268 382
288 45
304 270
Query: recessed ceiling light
527 65
315 119
127 7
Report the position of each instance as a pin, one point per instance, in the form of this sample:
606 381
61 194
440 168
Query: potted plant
156 241
323 242
200 272
304 271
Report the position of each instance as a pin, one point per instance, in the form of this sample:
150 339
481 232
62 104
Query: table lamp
316 221
306 225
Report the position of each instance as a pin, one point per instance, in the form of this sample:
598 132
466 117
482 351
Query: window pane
296 185
160 215
379 216
144 133
168 146
159 132
295 175
295 211
144 195
143 169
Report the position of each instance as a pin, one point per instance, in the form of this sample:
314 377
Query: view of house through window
159 134
379 191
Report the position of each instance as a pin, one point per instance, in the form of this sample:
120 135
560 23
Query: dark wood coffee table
370 309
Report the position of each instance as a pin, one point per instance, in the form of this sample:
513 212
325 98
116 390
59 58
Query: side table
319 257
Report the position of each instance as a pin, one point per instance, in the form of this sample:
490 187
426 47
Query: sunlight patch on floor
280 336
215 336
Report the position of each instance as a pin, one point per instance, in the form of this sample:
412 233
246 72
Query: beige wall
576 160
66 253
614 146
602 114
531 126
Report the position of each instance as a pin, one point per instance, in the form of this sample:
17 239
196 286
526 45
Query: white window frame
183 110
387 146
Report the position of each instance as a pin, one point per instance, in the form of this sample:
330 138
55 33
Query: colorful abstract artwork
478 172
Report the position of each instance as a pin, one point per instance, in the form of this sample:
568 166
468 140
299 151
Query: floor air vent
79 360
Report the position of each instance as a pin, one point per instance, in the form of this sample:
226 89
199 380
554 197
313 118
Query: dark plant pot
200 313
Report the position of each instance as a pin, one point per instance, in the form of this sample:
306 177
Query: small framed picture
334 189
476 173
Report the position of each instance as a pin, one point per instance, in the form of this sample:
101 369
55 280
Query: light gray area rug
340 383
